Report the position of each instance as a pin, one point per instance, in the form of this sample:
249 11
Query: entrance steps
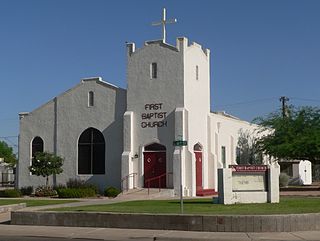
206 192
143 193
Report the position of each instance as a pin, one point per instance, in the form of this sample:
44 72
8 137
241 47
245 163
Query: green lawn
33 202
287 205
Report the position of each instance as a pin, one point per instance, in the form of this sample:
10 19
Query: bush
111 192
10 193
78 183
283 179
45 192
75 183
26 191
76 192
93 187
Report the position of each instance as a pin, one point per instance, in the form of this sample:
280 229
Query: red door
154 166
198 171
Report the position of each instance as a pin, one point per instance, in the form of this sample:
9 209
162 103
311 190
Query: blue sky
260 50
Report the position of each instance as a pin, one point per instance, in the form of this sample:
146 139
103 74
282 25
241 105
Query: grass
33 202
287 205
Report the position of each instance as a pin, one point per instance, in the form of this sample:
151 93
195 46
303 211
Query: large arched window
91 152
36 146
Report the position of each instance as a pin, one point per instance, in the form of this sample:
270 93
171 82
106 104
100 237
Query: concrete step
206 192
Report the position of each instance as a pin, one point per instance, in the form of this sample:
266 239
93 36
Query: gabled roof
98 80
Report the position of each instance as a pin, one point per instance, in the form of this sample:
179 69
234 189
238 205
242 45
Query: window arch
36 146
91 152
155 147
197 147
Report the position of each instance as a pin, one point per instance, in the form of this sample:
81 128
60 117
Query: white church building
118 137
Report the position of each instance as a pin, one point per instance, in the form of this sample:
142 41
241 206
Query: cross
163 22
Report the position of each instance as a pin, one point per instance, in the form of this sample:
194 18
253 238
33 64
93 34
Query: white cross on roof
163 22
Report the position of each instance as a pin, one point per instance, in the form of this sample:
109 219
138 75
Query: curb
12 207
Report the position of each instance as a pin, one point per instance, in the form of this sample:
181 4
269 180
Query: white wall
225 132
60 123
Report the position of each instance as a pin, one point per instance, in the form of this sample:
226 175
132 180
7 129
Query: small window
90 99
153 71
197 72
223 156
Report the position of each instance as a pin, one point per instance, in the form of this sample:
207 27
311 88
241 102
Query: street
53 233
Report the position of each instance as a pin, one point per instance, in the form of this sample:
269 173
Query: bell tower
168 97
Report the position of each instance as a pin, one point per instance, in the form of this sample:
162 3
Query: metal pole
181 189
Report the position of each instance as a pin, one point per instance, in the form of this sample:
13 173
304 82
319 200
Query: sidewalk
144 235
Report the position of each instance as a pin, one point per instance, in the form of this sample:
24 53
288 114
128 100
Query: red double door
155 169
198 171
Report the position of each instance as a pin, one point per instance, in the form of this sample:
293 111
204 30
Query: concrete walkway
142 235
137 195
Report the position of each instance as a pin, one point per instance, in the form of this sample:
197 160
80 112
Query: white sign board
249 182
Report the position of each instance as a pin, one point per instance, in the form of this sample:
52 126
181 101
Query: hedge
10 193
76 192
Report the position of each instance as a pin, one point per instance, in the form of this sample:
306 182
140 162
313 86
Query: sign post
180 143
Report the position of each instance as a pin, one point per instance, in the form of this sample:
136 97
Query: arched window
36 146
90 99
197 147
91 152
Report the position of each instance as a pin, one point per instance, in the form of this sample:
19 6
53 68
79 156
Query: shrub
78 183
10 193
93 187
59 186
75 183
283 179
26 191
76 192
111 192
45 192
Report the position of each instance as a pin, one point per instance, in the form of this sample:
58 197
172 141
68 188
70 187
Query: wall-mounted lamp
135 156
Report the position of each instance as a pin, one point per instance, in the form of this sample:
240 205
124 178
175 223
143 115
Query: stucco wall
60 123
225 132
197 102
166 90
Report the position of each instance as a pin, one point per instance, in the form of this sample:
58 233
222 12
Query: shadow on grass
201 202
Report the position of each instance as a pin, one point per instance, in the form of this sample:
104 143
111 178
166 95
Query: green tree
6 152
295 136
46 164
247 151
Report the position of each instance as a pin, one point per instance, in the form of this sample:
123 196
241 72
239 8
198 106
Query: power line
7 119
8 139
247 102
4 137
305 99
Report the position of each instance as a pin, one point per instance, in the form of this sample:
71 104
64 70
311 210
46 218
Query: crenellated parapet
182 44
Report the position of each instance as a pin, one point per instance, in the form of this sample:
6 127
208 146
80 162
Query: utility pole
284 100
